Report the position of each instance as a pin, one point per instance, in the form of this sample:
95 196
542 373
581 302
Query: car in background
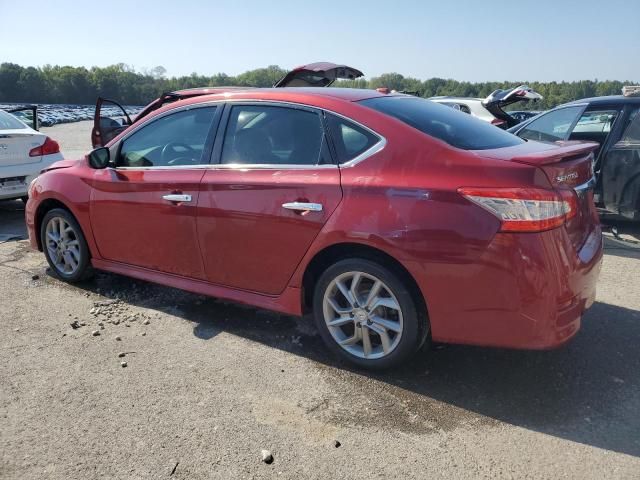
388 217
24 152
107 126
522 115
614 123
491 108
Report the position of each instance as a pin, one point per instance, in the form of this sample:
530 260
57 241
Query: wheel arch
44 207
339 251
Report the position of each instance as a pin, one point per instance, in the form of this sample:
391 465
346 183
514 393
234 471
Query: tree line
65 84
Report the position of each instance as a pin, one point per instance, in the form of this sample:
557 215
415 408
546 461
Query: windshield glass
9 122
458 129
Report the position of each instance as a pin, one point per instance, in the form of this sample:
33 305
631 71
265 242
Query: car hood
61 164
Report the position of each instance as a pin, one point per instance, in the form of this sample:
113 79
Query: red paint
481 286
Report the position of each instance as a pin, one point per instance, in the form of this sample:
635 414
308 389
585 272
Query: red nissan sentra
390 217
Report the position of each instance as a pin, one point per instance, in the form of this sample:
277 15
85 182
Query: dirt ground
208 385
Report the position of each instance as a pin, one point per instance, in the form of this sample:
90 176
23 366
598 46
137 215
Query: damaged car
318 74
613 122
491 109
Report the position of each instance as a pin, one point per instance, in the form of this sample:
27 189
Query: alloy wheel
63 245
363 315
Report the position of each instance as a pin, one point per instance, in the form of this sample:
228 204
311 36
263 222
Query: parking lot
208 385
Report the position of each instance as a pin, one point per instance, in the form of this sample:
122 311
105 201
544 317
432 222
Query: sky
483 40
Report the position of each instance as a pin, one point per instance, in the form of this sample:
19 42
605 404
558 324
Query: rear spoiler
564 150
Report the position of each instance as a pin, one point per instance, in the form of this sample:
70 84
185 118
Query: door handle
175 197
303 206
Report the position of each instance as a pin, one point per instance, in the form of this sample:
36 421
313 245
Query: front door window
174 140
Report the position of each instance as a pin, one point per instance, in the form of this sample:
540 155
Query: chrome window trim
166 167
270 166
375 148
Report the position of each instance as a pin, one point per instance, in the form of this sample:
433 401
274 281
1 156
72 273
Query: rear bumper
525 291
28 170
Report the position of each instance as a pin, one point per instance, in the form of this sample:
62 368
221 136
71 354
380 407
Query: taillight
525 209
47 148
497 122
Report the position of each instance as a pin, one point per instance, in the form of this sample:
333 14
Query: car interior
273 135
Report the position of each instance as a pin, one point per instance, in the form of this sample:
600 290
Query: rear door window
552 126
454 127
349 139
274 135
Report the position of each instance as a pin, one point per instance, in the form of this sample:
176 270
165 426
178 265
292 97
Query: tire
392 319
69 258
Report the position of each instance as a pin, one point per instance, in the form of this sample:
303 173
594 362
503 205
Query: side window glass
595 122
350 140
551 127
631 135
173 140
269 135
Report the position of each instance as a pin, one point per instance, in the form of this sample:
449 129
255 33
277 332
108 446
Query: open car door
320 74
501 98
109 120
28 114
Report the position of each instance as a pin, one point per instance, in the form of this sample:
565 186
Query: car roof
608 100
294 94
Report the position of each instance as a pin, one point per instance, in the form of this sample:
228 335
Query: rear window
458 129
9 122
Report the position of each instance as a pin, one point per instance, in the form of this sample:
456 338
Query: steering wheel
171 148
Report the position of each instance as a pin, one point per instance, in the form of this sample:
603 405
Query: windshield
458 129
9 122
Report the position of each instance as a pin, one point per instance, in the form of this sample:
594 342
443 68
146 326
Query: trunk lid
319 74
569 168
499 99
15 146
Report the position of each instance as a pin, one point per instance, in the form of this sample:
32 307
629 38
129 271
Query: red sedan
390 217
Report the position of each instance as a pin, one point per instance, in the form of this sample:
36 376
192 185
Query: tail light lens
525 209
47 148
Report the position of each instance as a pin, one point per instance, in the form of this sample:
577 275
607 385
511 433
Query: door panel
143 212
110 118
248 239
620 174
133 224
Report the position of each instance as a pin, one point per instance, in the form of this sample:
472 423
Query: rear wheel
367 314
64 245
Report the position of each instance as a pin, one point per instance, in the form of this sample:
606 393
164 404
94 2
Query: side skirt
288 302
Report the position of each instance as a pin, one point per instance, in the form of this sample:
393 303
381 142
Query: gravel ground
209 385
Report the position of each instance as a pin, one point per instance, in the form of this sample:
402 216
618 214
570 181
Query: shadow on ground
586 392
12 226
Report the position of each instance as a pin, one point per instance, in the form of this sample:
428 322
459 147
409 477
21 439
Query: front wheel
64 245
367 314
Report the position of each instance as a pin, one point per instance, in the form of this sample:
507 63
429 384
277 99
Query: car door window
552 126
349 139
273 135
173 140
631 135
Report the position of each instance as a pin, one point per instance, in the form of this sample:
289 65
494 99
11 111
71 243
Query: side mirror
99 158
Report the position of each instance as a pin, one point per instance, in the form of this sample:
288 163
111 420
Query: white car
490 109
24 152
